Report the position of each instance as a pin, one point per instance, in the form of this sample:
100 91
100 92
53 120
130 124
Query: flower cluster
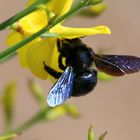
42 49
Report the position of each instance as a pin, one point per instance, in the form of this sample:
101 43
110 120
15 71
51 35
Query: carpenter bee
78 77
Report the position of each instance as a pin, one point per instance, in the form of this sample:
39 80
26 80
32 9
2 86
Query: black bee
78 77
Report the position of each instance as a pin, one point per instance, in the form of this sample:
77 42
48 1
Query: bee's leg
63 46
60 62
59 45
51 71
63 53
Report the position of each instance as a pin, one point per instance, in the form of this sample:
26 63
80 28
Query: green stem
6 58
39 33
40 116
21 14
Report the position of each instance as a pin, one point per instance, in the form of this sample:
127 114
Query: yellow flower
33 54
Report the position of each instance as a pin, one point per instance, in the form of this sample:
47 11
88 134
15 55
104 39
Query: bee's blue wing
117 65
62 89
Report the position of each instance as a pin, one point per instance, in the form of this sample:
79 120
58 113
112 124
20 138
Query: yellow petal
60 7
66 32
13 38
22 52
34 22
54 63
37 54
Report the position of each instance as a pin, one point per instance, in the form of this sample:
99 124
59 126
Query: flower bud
55 112
9 100
104 76
91 133
98 8
102 137
72 110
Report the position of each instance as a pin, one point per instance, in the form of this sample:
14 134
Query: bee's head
81 58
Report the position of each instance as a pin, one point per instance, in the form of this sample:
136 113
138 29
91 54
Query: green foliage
37 92
8 137
91 2
9 102
61 110
0 99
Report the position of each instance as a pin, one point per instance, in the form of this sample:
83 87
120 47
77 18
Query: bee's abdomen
84 82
